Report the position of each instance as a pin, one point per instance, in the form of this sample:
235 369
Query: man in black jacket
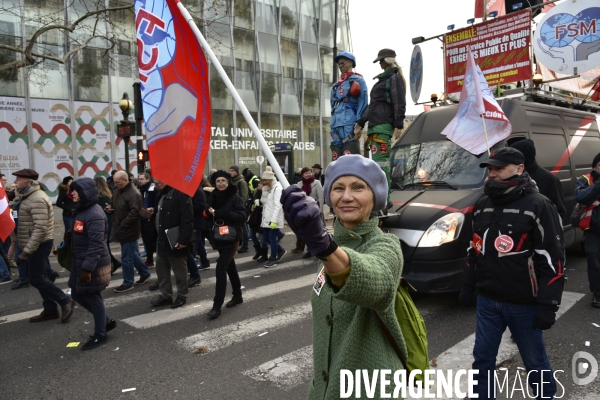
547 183
126 205
587 192
516 261
174 212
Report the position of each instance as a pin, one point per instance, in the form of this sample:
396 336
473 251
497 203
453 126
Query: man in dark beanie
546 181
587 193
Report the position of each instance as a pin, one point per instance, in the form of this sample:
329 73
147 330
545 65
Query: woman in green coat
357 278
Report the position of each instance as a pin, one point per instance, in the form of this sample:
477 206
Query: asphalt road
258 350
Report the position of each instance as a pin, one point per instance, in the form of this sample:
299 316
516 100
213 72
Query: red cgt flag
175 94
7 223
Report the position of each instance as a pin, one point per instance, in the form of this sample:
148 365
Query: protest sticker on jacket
500 48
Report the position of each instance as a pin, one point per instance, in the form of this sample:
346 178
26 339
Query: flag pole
238 100
486 136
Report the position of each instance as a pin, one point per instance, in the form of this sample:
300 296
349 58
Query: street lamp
126 106
124 128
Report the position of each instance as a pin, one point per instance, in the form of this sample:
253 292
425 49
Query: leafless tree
58 31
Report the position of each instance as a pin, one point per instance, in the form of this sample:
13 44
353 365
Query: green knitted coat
346 333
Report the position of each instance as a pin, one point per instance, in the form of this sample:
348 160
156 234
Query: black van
435 183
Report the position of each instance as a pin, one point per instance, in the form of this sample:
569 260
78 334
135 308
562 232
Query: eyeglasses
341 64
221 181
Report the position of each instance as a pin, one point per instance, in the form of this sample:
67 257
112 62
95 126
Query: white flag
476 99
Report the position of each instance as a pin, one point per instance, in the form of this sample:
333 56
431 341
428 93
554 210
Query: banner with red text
500 48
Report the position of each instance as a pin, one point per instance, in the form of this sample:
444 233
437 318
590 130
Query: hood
526 147
87 190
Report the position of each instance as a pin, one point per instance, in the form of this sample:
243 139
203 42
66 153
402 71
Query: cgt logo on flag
467 128
7 223
175 94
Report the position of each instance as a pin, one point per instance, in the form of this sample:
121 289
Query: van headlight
444 230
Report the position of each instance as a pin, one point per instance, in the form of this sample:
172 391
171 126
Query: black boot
258 253
264 255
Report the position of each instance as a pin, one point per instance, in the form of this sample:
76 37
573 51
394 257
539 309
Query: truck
435 183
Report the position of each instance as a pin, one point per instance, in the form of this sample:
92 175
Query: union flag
7 223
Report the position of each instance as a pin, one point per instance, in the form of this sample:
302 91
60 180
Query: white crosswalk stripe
225 336
157 318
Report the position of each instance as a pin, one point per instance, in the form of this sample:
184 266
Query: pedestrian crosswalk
289 369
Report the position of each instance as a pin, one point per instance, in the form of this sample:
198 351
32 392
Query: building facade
61 118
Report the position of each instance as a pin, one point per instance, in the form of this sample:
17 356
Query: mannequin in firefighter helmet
349 99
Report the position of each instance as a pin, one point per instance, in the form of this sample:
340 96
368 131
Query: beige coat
35 219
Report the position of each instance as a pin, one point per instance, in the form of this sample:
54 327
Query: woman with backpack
358 275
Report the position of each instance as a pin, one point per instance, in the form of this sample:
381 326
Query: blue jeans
68 222
270 236
4 267
6 244
592 252
94 303
192 267
130 259
492 319
36 265
258 240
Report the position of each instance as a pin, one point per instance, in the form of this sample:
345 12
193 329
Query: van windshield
439 162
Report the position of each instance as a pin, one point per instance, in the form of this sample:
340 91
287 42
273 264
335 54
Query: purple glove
303 215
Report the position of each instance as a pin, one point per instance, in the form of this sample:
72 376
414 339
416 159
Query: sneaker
149 263
194 282
205 265
596 300
280 237
94 342
154 286
6 280
280 254
123 288
143 280
271 263
110 325
20 285
214 313
307 255
144 254
242 250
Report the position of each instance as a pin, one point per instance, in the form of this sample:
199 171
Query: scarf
221 197
346 75
306 184
508 190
